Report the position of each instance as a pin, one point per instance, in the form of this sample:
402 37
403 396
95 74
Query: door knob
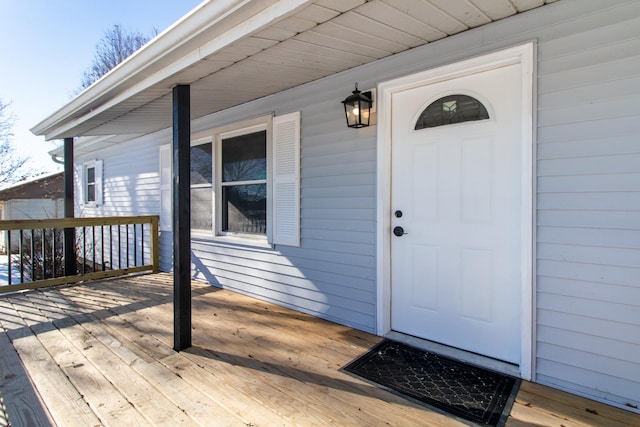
399 231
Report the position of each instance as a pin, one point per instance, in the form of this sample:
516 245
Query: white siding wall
588 167
588 205
332 273
588 184
131 186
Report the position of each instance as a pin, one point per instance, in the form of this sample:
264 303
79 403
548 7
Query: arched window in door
451 109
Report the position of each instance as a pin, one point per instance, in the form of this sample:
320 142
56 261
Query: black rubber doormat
466 391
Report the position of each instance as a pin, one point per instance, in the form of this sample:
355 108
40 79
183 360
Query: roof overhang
235 51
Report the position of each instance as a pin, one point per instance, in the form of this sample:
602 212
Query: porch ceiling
233 52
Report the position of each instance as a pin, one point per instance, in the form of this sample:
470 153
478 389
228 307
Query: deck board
17 395
100 353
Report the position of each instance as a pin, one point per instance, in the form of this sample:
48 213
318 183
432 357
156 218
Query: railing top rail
22 224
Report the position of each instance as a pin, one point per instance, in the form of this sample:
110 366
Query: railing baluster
93 249
119 248
135 245
20 254
54 264
111 247
142 242
102 246
127 235
33 256
84 249
44 255
8 239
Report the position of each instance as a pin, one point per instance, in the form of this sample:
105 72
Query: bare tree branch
116 45
10 162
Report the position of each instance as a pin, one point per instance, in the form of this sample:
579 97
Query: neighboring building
39 198
504 143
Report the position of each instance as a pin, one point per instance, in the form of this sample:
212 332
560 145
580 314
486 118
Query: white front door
456 191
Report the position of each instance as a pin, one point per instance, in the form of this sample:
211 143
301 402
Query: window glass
244 184
91 175
450 110
244 208
201 186
201 164
244 158
201 205
91 193
91 184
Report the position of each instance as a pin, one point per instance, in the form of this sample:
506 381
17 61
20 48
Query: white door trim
523 55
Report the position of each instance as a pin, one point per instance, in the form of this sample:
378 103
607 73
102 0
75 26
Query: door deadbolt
399 231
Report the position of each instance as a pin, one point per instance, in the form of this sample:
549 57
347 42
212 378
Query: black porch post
181 218
69 233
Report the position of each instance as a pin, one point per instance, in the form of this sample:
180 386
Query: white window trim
200 232
99 199
166 187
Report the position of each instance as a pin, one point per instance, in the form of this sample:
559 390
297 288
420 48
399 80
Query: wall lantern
357 108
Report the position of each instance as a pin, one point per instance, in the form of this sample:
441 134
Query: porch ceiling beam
181 218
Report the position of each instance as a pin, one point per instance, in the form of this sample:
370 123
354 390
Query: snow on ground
4 270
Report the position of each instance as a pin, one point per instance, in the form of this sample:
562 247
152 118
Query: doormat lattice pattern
466 391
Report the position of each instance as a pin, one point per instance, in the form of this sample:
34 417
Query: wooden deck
100 353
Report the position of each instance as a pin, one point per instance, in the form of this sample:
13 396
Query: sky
45 46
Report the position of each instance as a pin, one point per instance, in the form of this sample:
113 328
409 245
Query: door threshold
456 353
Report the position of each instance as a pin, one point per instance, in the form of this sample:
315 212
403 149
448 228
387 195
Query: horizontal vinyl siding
130 178
587 182
131 187
166 251
332 274
588 167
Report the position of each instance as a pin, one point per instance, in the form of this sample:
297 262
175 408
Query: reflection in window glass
450 110
201 205
201 164
244 208
244 184
244 158
201 187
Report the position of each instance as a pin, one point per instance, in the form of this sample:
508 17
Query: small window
91 191
450 110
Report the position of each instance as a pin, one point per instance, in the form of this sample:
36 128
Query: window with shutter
91 192
245 183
